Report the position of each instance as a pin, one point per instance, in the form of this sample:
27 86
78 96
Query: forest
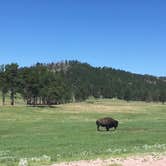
73 81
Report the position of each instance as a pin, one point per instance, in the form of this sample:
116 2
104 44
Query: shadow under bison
107 122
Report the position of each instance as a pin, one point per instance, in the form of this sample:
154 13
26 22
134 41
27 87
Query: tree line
70 81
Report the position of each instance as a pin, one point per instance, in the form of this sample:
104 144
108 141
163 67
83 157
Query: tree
127 95
11 72
62 82
162 96
3 85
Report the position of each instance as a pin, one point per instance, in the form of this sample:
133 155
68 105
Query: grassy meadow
46 135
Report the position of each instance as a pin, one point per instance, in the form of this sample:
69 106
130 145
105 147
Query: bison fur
107 122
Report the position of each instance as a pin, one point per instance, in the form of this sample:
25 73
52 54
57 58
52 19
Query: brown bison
107 122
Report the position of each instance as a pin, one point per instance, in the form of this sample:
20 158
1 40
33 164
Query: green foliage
70 81
86 81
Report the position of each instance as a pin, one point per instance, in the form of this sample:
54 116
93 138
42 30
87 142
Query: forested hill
71 81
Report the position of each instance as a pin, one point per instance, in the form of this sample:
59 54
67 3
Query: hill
72 81
106 82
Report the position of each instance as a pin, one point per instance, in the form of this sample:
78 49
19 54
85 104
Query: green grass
45 135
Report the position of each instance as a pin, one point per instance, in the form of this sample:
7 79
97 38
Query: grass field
45 135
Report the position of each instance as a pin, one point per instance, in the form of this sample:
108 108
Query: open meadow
47 135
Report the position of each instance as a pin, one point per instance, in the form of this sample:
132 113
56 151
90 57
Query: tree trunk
12 96
3 98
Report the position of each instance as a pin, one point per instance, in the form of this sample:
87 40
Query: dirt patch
148 160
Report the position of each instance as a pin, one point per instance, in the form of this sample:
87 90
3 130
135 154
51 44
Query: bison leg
107 128
98 127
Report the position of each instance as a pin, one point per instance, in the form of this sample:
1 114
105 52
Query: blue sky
123 34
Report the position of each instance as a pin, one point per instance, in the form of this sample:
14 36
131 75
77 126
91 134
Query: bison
107 122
